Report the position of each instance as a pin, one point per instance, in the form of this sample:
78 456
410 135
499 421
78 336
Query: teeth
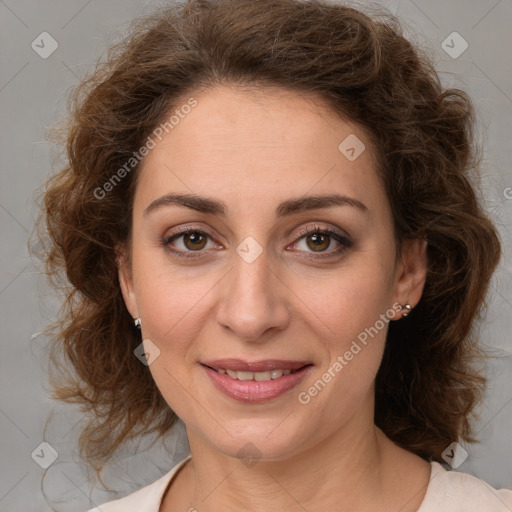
258 376
262 376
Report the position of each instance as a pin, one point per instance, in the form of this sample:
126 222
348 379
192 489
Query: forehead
260 146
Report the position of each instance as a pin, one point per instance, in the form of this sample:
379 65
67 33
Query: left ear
411 271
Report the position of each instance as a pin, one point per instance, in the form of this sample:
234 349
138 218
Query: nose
253 301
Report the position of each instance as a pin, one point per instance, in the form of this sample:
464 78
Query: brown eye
318 241
194 241
188 241
321 243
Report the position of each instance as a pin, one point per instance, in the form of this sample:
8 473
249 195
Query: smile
256 382
259 376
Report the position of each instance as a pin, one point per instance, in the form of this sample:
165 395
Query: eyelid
181 230
323 228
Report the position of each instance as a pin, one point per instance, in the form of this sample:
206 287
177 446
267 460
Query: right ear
126 281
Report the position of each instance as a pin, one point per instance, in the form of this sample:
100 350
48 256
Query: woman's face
249 283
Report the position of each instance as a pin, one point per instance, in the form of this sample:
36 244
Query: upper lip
238 365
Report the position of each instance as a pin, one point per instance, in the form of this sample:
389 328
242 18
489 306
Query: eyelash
344 242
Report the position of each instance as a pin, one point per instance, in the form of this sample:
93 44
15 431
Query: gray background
33 92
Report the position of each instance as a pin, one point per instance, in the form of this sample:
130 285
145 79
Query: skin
252 150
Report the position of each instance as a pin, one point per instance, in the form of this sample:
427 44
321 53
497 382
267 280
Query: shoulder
451 491
146 499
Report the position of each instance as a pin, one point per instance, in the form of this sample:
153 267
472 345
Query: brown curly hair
427 387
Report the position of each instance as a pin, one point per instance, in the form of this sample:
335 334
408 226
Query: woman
270 232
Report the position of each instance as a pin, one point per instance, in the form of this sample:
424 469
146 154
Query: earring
137 322
407 308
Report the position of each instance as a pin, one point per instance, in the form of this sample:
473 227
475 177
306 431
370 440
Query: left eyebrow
316 202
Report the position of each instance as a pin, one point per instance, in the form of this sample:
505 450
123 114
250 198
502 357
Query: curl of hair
368 72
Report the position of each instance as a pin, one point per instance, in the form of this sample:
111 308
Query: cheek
175 303
350 300
358 320
354 311
170 306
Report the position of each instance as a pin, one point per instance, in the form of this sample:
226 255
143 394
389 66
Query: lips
256 381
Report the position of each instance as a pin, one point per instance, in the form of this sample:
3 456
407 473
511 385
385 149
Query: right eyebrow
200 204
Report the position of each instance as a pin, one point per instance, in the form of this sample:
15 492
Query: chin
251 445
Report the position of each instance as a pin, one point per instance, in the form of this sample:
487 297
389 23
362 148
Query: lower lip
256 391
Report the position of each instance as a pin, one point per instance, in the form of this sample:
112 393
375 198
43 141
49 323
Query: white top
447 491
